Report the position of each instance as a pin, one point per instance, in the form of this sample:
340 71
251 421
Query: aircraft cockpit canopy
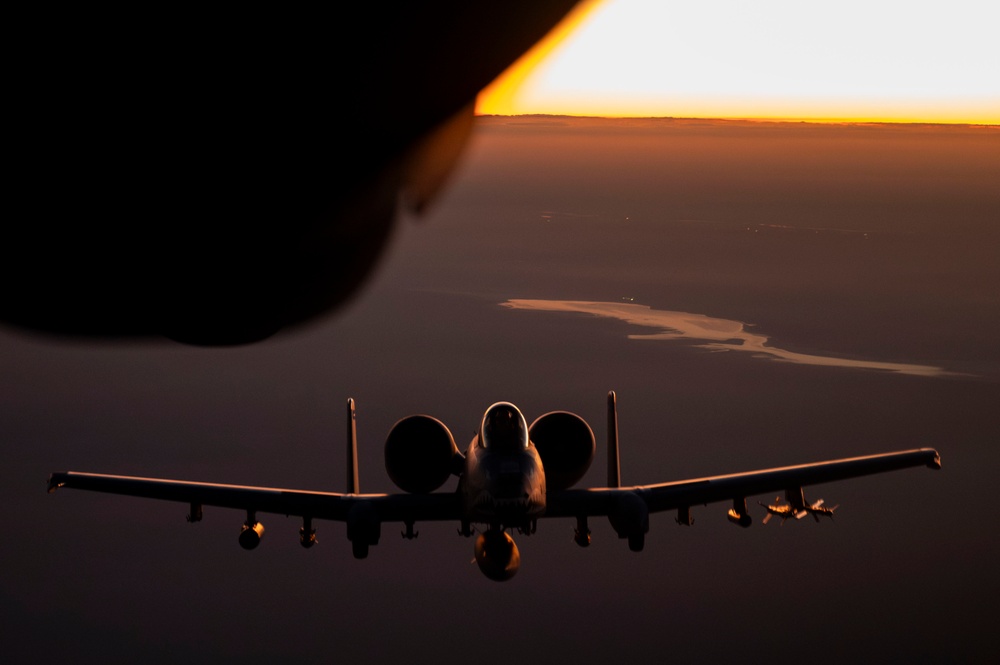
504 428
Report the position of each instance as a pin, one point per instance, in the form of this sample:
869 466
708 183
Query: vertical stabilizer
352 450
614 472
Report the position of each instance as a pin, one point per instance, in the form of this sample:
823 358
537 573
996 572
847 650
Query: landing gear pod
565 443
363 528
629 518
420 454
497 555
251 534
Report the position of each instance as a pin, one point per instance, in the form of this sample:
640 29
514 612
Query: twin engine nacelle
420 454
420 451
566 445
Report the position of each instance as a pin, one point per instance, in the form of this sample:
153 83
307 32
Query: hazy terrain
873 243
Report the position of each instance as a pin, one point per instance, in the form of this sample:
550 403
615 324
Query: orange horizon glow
504 95
526 88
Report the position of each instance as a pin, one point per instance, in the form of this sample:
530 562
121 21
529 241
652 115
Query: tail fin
614 468
352 450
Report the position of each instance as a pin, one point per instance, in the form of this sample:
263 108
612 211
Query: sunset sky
886 61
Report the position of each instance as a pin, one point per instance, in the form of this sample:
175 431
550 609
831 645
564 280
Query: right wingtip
935 462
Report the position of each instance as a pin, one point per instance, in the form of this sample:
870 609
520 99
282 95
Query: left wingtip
55 481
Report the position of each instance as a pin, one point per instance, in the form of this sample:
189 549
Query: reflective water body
718 334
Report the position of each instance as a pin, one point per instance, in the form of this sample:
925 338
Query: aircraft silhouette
511 476
212 178
796 507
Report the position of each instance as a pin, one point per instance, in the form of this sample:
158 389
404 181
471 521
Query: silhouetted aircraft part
364 527
629 518
353 482
739 514
247 181
796 498
307 534
497 555
818 509
421 454
796 507
776 509
614 458
196 513
684 516
251 532
502 485
566 445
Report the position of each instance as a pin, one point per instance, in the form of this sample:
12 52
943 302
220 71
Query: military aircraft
796 507
510 476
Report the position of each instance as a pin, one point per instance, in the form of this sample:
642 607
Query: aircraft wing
446 506
735 487
318 505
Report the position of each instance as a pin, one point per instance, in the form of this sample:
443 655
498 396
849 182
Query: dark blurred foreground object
216 177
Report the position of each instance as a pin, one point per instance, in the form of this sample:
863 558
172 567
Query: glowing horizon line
845 120
512 94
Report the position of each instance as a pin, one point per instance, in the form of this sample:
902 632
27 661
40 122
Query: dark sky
870 242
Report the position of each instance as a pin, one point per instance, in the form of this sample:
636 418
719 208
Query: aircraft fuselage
503 484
